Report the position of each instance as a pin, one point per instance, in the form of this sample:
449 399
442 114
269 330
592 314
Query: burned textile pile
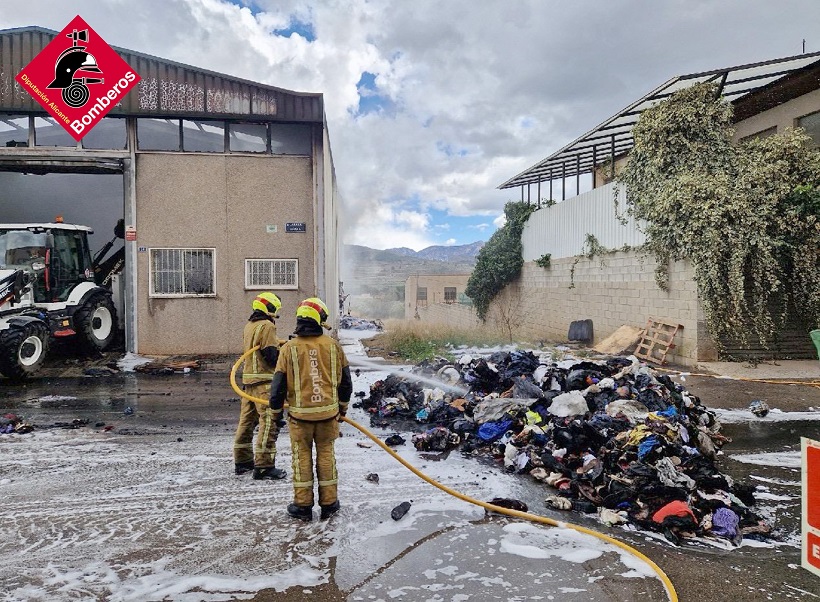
612 437
351 323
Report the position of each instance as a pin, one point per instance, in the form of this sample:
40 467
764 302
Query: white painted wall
561 229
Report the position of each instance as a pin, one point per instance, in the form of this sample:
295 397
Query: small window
421 295
449 294
13 130
158 134
248 137
108 133
811 123
290 139
203 136
271 273
47 132
183 273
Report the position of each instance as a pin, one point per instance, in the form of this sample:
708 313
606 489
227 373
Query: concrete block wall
612 290
616 289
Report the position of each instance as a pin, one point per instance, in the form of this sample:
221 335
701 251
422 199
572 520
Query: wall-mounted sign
271 229
130 233
811 505
142 249
295 227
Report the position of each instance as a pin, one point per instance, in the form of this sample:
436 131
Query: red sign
811 505
813 550
78 78
130 233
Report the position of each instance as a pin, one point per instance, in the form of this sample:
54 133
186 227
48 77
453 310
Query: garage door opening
92 201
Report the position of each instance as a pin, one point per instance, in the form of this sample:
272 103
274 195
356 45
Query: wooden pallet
656 341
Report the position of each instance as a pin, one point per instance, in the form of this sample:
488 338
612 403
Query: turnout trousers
252 414
304 435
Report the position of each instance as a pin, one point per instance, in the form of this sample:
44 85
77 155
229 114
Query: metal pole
539 192
613 156
550 185
577 175
563 180
594 162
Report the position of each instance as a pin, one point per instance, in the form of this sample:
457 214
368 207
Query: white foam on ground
781 459
129 361
774 415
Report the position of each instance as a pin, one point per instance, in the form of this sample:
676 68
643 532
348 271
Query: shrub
499 261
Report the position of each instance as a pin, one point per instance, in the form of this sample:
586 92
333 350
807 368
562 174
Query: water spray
398 371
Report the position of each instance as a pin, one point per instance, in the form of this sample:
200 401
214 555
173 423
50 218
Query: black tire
23 349
96 322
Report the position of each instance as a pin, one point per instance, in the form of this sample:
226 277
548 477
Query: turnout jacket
260 330
312 375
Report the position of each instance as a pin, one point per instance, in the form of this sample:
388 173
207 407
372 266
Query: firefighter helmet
268 303
313 308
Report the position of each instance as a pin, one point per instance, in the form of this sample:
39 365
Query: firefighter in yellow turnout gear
313 376
257 374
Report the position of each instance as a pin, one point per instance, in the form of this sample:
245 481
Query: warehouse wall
223 202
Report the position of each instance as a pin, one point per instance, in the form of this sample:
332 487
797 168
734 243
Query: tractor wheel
95 322
23 350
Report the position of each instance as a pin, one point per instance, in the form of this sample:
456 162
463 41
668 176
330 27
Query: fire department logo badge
78 78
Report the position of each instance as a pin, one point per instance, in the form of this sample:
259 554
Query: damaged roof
752 89
167 88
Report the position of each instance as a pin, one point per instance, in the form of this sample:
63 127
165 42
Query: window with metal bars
271 274
449 294
183 273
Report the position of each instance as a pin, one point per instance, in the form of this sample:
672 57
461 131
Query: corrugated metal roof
167 89
614 136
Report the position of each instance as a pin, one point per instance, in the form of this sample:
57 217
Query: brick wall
540 305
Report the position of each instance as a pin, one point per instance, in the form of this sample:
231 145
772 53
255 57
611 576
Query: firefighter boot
330 509
269 474
304 513
243 467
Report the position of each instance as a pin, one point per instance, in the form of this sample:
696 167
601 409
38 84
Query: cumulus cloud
437 103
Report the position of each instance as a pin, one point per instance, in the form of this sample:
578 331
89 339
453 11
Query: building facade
423 292
618 287
226 188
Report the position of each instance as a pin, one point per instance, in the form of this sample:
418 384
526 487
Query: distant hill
463 253
382 272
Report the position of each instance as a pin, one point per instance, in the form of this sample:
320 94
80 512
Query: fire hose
667 583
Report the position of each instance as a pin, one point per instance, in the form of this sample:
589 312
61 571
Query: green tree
745 215
499 261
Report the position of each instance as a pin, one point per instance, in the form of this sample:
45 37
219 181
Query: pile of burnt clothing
613 437
351 323
12 423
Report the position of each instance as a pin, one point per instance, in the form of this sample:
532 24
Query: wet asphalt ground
180 427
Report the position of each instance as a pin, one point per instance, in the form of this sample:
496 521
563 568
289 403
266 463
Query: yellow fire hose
667 583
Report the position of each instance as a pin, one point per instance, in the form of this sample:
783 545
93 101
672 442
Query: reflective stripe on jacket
256 369
312 367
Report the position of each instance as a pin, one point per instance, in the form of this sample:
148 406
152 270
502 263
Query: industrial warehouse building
226 187
619 287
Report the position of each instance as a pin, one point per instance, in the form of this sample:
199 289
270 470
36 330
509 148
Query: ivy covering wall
500 260
745 215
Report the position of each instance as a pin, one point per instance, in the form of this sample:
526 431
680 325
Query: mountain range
379 271
443 253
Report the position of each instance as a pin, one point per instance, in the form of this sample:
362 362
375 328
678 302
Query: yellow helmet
268 303
314 309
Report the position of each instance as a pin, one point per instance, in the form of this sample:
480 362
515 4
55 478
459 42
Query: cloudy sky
432 104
